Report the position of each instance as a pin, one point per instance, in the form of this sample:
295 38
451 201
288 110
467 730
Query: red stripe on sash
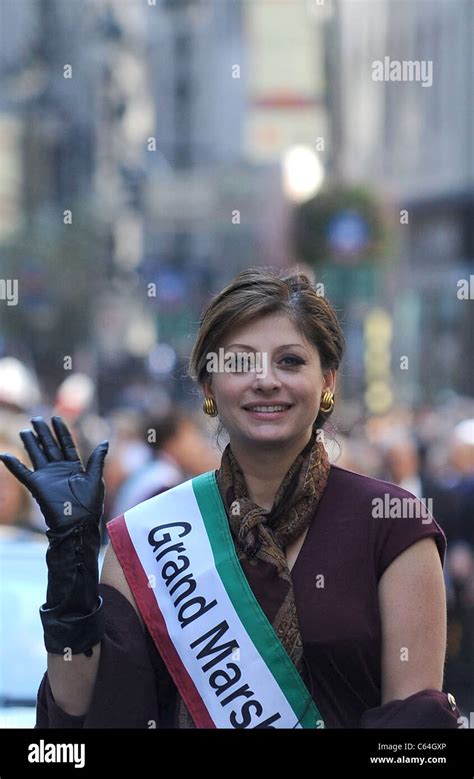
150 611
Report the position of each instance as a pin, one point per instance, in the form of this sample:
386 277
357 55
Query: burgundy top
346 550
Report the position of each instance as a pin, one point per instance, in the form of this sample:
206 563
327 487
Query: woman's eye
291 361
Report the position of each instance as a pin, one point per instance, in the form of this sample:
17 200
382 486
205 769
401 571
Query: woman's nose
266 381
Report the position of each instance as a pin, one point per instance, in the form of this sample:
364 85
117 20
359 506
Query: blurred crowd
153 446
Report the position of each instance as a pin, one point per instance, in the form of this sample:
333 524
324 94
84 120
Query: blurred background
151 149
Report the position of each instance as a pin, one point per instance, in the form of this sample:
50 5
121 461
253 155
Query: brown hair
256 292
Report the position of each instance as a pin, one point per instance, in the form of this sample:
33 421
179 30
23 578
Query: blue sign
348 235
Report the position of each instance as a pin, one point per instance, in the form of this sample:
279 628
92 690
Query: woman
303 600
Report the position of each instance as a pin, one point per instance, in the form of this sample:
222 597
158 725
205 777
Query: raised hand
71 501
64 491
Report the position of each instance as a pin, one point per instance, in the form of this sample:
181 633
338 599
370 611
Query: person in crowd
16 509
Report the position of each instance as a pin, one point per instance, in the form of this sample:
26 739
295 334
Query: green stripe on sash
253 618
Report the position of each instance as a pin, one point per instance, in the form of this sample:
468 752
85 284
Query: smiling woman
296 335
266 593
312 548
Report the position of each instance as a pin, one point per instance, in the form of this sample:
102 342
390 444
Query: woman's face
290 375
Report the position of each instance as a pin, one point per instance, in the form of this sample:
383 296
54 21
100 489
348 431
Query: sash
179 559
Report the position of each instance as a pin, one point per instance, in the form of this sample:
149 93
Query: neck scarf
261 537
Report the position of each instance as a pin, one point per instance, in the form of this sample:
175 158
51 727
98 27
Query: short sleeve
399 519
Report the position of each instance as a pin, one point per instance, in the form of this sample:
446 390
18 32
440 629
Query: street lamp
302 173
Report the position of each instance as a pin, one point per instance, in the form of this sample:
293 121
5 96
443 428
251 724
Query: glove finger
31 444
20 471
96 460
50 447
65 439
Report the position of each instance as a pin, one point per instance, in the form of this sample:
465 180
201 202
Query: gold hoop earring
209 407
327 402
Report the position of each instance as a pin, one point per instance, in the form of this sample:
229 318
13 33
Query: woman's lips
269 415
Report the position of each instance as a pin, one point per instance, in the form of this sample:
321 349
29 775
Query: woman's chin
269 434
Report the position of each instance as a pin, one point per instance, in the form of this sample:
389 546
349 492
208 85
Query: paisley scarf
261 537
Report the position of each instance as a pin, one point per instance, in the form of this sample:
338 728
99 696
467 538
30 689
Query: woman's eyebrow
252 348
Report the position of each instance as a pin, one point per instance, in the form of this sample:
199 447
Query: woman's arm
112 574
72 683
412 602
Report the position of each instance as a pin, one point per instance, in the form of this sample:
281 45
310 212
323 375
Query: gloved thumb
17 468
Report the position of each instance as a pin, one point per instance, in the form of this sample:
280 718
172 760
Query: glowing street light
302 173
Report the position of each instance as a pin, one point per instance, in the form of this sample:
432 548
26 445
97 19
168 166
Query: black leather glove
71 501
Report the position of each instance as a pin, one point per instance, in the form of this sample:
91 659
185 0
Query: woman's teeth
268 409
